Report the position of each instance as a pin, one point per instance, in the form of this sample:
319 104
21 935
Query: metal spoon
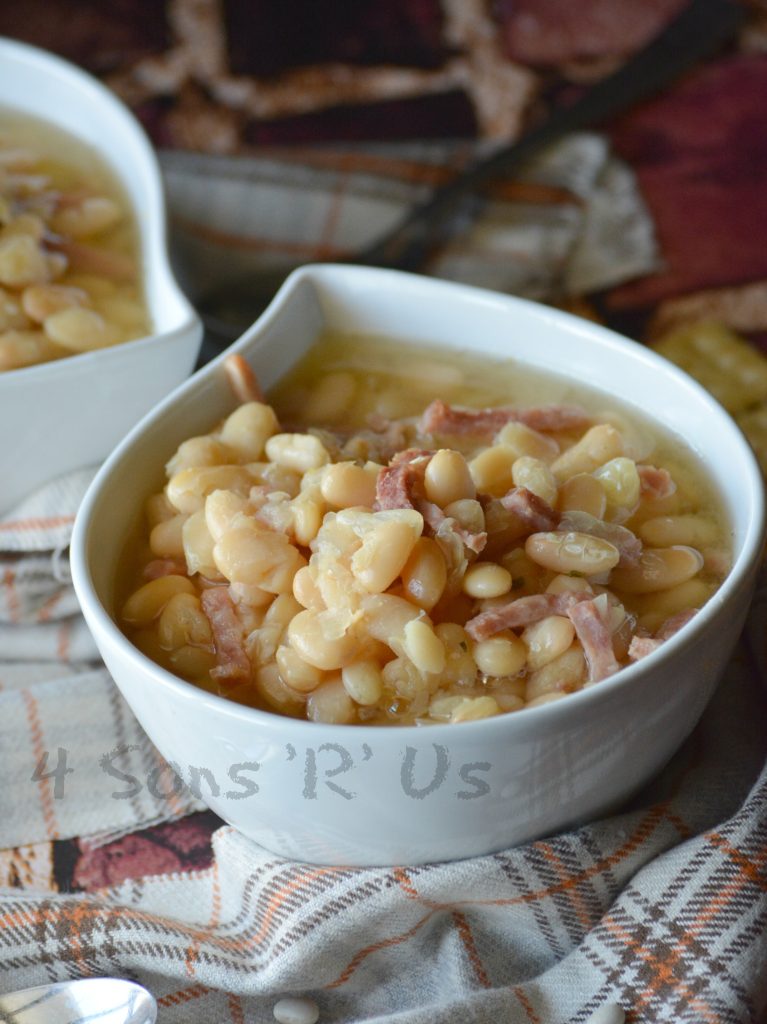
87 1001
699 31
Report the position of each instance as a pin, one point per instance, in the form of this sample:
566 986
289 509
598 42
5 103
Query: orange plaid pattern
662 909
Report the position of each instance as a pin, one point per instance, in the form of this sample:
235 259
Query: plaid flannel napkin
661 910
56 707
571 222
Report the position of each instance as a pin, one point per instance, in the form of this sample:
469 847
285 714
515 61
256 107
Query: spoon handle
699 31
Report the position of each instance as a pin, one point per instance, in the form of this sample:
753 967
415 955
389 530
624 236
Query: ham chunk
524 611
397 482
595 639
641 646
233 664
400 485
163 567
441 418
536 514
654 482
440 524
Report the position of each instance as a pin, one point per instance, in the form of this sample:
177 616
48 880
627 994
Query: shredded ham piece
437 521
523 611
163 567
654 482
536 514
641 646
233 663
441 418
396 482
242 380
397 487
595 638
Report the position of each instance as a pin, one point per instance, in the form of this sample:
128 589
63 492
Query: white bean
423 646
363 682
80 330
297 451
294 1010
572 552
547 639
526 441
248 428
471 709
384 553
486 579
658 569
330 397
536 476
500 655
597 446
447 478
664 531
330 703
321 640
346 485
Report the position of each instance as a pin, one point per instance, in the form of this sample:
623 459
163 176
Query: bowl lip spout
538 721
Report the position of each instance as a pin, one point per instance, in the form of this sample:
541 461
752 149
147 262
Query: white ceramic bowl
385 795
70 413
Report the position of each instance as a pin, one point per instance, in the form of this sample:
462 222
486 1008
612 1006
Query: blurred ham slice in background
700 154
555 32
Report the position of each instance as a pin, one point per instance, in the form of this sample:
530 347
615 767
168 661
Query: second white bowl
70 413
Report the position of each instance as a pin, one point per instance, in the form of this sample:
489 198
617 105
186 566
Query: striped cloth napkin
59 710
659 911
572 221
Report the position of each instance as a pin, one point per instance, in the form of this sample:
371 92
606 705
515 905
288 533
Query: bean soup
405 537
69 249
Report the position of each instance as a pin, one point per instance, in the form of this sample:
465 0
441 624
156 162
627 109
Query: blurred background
230 76
293 130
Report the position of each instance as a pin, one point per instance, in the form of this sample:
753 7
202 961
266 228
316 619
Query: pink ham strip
654 482
434 518
395 489
233 663
536 514
595 639
641 646
441 418
163 567
522 612
395 483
